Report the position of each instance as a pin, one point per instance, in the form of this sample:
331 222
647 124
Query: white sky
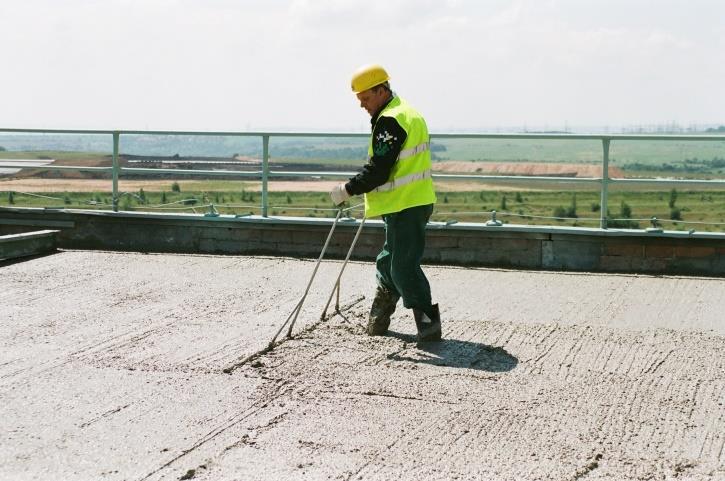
274 64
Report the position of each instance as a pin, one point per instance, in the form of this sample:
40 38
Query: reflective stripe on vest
415 150
401 181
404 154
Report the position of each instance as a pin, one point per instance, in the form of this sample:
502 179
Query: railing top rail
442 135
186 132
577 136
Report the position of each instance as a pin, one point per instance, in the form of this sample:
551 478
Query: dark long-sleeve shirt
387 139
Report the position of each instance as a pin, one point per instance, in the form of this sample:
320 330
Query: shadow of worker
455 353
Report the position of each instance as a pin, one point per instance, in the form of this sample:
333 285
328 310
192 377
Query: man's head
370 84
373 99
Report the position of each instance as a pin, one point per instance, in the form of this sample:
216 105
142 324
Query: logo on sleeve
383 143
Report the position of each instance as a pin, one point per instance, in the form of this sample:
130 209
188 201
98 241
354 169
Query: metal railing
265 174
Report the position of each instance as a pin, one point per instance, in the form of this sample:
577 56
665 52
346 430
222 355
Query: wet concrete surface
112 368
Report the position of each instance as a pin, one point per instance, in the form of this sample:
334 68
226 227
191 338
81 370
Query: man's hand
339 194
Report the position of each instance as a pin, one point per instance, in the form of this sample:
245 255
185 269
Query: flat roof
112 367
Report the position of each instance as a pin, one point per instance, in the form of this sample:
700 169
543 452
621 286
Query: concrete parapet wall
528 247
26 244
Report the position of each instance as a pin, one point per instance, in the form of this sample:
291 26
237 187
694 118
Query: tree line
689 165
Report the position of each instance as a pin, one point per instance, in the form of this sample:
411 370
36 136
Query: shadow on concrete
455 353
18 260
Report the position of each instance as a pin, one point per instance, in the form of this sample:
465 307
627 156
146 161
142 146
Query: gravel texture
112 367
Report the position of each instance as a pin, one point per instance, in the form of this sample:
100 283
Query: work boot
383 307
429 328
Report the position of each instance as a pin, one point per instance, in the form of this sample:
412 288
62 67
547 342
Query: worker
398 186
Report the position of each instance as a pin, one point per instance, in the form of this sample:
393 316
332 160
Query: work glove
339 194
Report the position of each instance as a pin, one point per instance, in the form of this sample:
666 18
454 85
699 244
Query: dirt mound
536 169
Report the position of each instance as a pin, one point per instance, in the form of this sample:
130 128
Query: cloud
506 17
370 15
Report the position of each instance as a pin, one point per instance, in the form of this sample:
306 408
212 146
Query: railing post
265 173
605 182
114 172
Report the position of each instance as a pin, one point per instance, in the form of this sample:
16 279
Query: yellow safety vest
410 183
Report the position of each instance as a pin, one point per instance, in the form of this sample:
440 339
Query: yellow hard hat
367 77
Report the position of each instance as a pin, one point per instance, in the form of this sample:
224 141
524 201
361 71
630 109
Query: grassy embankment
577 206
637 159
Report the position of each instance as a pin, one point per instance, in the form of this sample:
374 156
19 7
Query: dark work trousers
399 262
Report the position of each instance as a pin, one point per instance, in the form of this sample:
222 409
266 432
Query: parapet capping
454 243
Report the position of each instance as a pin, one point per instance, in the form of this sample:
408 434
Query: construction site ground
112 368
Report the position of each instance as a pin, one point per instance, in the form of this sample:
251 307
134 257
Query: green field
577 207
672 156
516 202
81 157
621 152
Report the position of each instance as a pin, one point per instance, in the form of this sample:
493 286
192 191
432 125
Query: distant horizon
664 128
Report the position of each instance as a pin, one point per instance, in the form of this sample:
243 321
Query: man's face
372 99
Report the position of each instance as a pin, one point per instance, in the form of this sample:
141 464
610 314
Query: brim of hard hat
371 87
